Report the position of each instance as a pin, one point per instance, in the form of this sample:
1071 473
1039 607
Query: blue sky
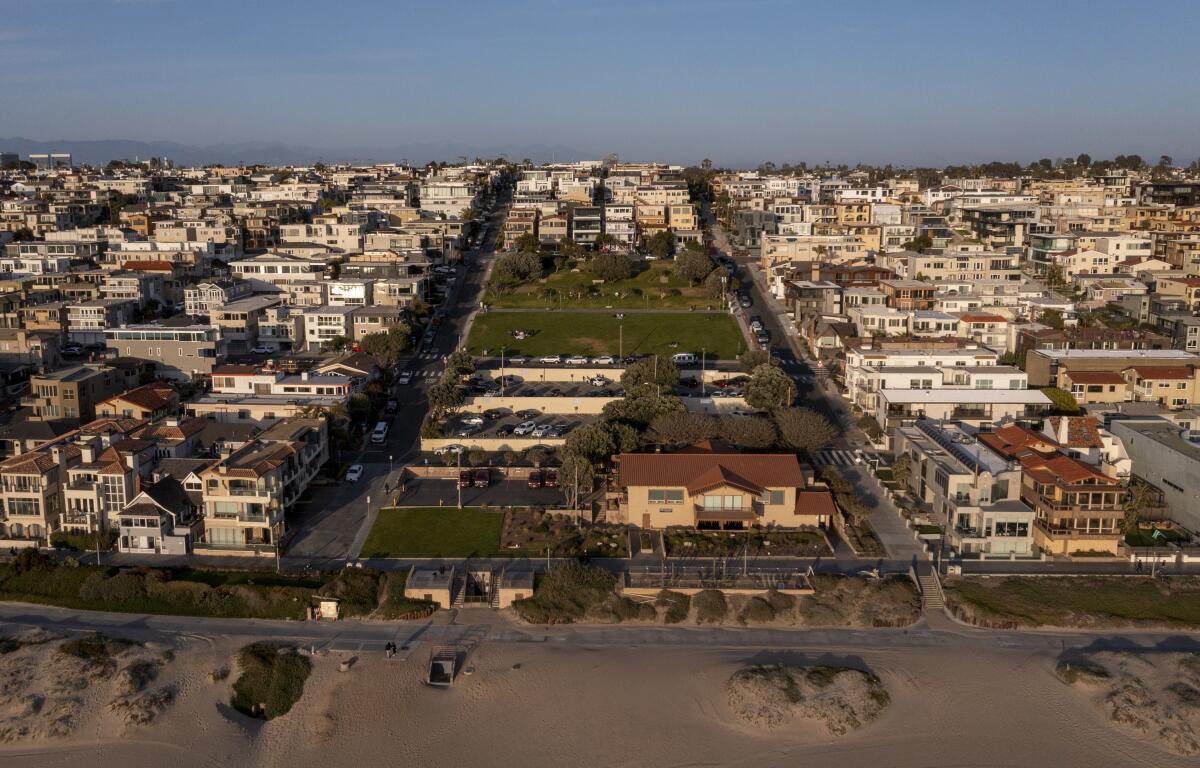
737 81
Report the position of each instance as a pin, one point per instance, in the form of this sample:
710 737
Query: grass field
1071 601
435 532
653 286
594 333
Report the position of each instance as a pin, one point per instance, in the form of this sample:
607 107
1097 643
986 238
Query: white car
474 420
577 360
516 361
540 431
404 378
524 428
261 350
597 381
354 473
449 449
604 360
549 359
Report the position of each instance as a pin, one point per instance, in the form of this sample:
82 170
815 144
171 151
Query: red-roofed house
1096 386
1186 289
149 401
708 486
1172 386
1077 507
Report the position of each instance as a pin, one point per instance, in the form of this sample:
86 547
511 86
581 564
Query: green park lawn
653 286
594 333
435 532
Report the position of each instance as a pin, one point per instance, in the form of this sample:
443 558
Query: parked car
535 479
524 428
745 301
494 413
72 349
756 324
604 360
529 414
597 381
354 473
404 378
464 478
504 431
540 430
551 478
466 430
577 360
549 359
763 337
475 420
449 449
482 477
516 361
261 350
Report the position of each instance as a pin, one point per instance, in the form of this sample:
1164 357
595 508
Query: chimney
304 376
133 461
87 453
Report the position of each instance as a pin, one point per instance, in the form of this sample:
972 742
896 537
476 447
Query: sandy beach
553 704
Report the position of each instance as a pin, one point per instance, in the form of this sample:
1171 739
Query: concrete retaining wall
491 443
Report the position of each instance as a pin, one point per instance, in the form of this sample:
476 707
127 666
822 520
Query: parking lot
439 492
502 422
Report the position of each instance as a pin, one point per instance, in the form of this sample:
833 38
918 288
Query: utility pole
458 480
502 376
703 366
620 342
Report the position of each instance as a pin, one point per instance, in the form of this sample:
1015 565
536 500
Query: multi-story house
164 518
323 325
247 493
150 402
245 393
87 321
1078 509
181 349
71 393
974 493
202 299
238 322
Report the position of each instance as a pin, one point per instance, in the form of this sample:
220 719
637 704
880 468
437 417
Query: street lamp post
703 366
620 342
458 480
503 378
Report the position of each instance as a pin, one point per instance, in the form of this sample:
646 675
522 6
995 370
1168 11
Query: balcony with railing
1091 534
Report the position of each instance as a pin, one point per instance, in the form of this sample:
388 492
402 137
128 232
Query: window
771 496
662 496
722 502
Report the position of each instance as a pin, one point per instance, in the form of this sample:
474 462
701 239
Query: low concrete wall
491 443
439 472
653 591
717 406
569 373
551 405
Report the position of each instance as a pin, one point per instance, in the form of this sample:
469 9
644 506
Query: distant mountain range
99 152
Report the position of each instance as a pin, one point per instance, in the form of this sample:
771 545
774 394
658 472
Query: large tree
612 266
661 244
749 432
752 358
445 396
693 266
641 404
528 243
460 363
654 370
803 430
576 477
769 387
387 346
516 268
682 429
600 440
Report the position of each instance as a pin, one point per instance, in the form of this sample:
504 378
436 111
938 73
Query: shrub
394 604
677 604
711 606
95 650
757 611
566 593
779 601
624 609
272 680
357 589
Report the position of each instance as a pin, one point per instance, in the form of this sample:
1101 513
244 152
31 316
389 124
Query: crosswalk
428 356
842 457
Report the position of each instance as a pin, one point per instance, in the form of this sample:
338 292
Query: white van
683 358
379 434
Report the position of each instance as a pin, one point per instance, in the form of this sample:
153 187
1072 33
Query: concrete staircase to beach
931 591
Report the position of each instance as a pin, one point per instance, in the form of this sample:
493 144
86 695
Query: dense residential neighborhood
218 361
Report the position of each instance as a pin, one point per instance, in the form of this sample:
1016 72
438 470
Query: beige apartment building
247 493
71 393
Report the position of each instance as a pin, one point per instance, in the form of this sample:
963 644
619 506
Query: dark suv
482 478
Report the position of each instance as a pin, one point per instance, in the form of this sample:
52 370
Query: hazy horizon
737 82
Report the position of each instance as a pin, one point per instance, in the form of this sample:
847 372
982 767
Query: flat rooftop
966 396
